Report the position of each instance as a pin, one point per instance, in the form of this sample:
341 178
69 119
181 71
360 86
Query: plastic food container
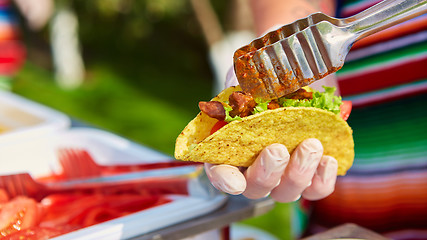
22 121
36 132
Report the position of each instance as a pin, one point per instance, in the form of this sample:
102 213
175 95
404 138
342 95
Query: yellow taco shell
239 142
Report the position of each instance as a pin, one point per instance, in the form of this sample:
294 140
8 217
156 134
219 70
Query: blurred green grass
108 101
277 221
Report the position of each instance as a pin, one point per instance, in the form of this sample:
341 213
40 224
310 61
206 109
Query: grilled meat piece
300 94
242 104
213 109
273 105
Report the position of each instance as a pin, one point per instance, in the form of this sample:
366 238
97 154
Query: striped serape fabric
388 65
386 189
385 76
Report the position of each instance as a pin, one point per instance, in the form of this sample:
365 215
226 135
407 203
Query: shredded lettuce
229 118
294 102
324 100
261 106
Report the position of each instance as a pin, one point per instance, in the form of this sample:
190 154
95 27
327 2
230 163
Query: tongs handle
385 14
133 177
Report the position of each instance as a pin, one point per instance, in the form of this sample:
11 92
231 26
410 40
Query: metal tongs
23 184
307 50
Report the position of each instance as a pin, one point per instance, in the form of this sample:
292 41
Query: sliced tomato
98 215
18 214
4 197
345 109
62 209
36 233
127 203
218 126
82 210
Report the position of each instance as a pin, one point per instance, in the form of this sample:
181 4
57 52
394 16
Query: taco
233 128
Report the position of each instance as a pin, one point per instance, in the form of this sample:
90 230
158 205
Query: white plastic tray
26 119
107 148
183 208
31 147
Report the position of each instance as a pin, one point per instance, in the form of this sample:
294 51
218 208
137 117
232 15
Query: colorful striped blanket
385 76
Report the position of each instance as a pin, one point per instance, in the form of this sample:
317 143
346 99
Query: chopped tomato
4 197
18 214
345 109
57 214
36 233
218 126
99 215
62 209
88 209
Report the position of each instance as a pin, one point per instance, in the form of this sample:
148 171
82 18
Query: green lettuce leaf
229 118
324 100
261 106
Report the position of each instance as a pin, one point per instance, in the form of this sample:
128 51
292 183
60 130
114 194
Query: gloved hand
307 173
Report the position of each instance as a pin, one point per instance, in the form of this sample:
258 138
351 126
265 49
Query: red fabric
383 78
391 202
397 31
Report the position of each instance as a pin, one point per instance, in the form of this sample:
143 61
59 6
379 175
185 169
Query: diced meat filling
241 103
213 109
273 105
300 94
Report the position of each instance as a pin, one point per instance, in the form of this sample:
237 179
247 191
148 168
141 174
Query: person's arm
37 13
270 13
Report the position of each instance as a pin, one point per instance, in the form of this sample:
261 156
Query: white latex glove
307 173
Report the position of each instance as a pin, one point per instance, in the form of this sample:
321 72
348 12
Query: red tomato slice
62 209
18 214
108 207
345 109
4 197
36 233
218 126
82 210
98 215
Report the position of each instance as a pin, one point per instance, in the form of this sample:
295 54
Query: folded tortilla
239 142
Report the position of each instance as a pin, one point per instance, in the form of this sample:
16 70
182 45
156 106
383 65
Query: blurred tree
64 38
146 68
223 42
148 40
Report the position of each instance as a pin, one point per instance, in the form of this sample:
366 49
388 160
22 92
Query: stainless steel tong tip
295 55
